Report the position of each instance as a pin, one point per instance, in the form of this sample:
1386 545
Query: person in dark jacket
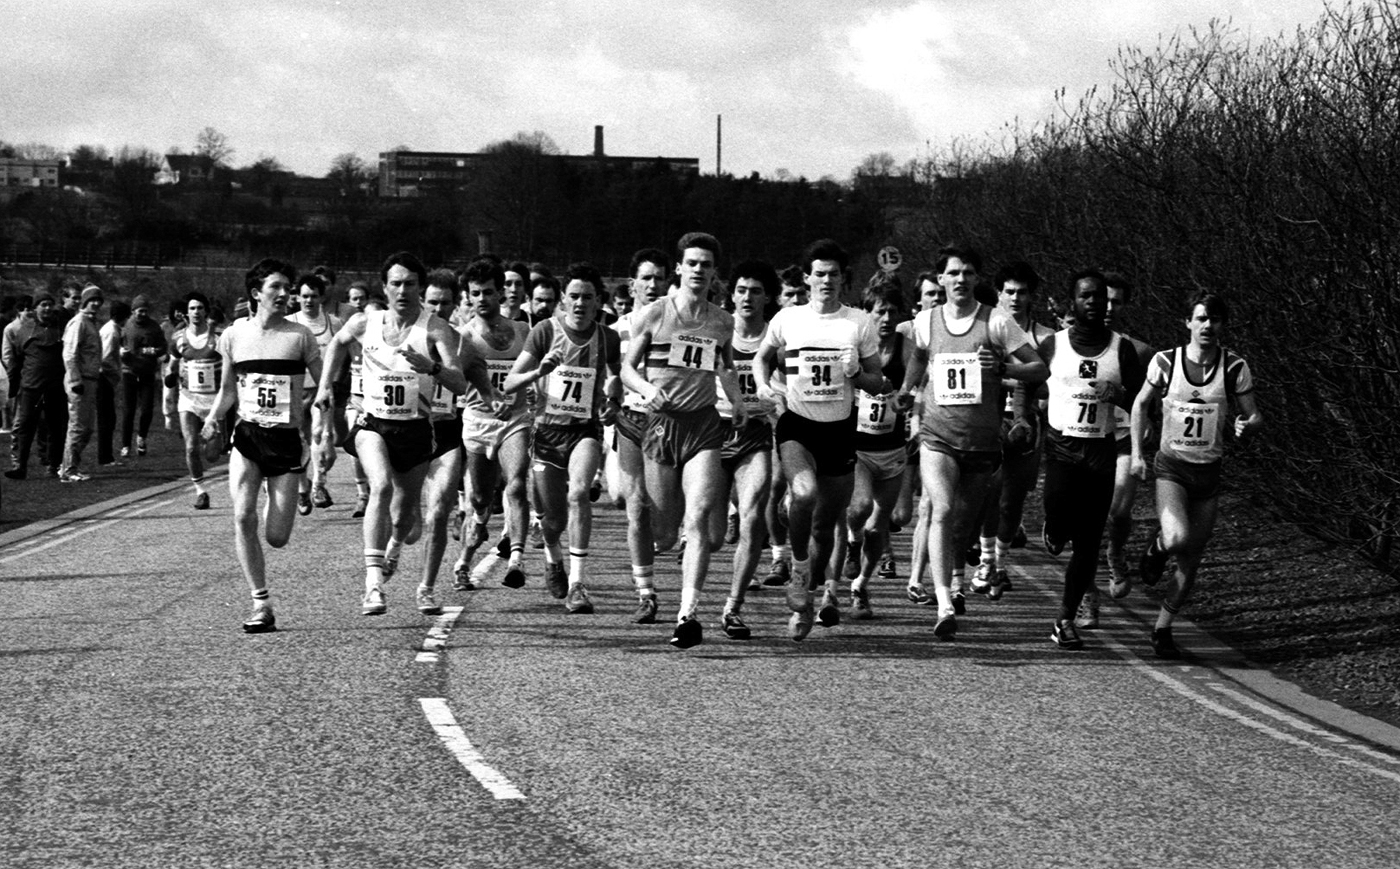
143 347
34 363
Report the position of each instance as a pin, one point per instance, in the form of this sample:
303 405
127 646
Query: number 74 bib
571 391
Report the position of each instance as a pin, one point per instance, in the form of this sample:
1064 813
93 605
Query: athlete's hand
325 401
609 414
1137 466
1107 391
551 361
658 400
850 363
417 361
987 358
772 395
1020 434
739 417
904 401
210 429
1242 429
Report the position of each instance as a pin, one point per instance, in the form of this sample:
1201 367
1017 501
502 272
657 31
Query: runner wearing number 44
1194 384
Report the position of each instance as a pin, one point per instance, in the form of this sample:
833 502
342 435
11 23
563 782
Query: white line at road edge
452 736
1180 687
118 515
437 635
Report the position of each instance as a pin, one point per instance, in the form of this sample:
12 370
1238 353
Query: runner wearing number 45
1194 384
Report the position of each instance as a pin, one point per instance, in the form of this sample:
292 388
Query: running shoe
1119 582
916 595
1001 584
1065 636
556 581
1163 646
1018 540
755 584
852 569
576 601
140 446
731 529
982 577
688 633
427 602
1088 615
536 537
514 578
391 566
262 620
972 555
1152 563
799 596
201 501
372 604
830 613
503 546
959 603
800 625
946 628
1054 547
321 496
860 605
16 474
887 568
462 578
304 504
733 626
361 505
779 573
72 477
645 613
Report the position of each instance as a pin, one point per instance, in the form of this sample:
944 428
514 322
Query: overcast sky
809 87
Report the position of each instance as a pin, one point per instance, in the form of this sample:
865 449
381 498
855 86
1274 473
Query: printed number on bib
694 352
391 394
875 414
956 379
748 386
442 400
202 376
1080 414
571 391
265 399
1191 427
357 379
819 375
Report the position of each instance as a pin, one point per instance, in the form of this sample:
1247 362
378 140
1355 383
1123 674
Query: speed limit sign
889 258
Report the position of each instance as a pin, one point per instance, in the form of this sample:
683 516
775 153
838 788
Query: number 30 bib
391 394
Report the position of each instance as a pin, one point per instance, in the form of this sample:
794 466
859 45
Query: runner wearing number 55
1194 384
827 351
967 349
405 351
265 360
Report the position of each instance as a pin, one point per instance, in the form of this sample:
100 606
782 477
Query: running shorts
832 444
1200 480
276 451
409 442
484 435
552 444
676 438
741 443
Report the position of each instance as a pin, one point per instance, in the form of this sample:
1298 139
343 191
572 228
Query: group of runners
783 418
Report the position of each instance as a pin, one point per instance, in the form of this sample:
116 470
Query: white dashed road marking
452 736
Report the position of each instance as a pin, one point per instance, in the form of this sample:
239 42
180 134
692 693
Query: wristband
435 370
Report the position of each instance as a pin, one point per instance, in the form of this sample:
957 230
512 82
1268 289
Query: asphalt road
140 727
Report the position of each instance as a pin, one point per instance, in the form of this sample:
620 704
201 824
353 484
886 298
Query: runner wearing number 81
965 348
827 351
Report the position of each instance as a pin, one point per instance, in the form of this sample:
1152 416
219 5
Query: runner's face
310 300
91 307
1116 313
542 302
959 279
485 299
439 300
649 284
358 298
513 293
402 288
43 311
886 317
1090 302
696 270
825 281
749 298
1017 298
792 296
1207 330
272 295
580 304
196 312
931 295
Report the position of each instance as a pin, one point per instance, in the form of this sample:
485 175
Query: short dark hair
326 273
585 271
483 270
961 251
1120 280
541 269
888 294
702 240
262 269
1214 303
824 249
1088 274
760 271
519 268
118 310
193 296
654 255
792 276
549 282
408 261
314 281
1019 271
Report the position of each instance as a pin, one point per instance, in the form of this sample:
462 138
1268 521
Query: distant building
18 172
415 173
186 169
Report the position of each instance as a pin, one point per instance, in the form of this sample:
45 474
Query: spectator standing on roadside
82 363
110 381
23 312
143 346
33 357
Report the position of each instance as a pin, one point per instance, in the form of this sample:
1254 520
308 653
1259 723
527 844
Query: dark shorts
276 451
1201 481
883 464
447 435
969 461
552 444
1124 445
755 437
409 442
676 438
631 424
832 444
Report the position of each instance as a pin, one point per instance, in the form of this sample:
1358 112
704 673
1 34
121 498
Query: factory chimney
598 140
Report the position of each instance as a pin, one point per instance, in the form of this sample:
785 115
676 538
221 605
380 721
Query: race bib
571 391
1080 414
442 400
956 379
201 375
748 387
875 414
391 394
820 376
1191 427
357 382
693 352
265 399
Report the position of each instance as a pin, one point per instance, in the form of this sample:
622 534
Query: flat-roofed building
19 172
